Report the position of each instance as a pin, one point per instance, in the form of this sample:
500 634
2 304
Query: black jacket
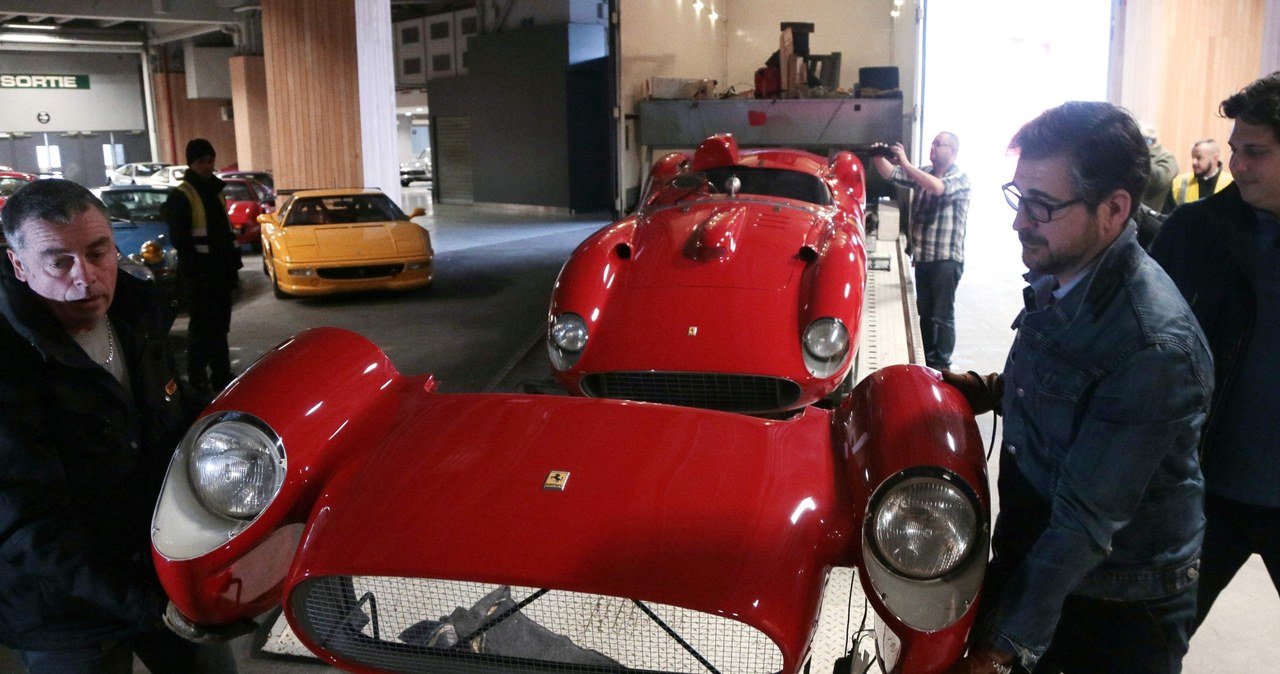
81 465
215 257
1208 248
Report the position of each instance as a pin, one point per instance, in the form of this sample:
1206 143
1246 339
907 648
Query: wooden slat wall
313 92
252 121
1181 58
179 119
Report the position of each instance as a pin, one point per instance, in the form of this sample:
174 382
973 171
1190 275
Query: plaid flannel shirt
937 222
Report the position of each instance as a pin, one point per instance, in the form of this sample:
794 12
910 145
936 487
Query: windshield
772 182
136 205
352 208
147 169
239 191
10 184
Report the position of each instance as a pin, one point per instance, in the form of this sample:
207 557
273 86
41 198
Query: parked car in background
320 242
736 285
141 232
263 177
246 200
138 173
406 530
169 176
416 169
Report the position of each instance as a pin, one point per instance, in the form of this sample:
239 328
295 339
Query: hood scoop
717 237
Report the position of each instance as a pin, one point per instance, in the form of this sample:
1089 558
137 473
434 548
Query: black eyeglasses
1036 210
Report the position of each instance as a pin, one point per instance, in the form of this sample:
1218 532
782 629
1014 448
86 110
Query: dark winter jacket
206 245
81 465
1208 248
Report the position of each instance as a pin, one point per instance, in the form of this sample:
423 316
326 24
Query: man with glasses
935 239
1106 386
1224 254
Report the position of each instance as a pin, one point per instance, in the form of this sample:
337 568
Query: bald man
1206 176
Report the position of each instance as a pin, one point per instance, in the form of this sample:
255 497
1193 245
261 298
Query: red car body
402 513
707 294
246 200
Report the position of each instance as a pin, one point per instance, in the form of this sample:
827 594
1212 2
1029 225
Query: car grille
360 272
441 626
728 392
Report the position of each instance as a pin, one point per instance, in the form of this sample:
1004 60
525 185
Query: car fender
348 401
903 418
592 271
836 282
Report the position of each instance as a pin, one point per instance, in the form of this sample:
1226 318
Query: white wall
669 38
113 100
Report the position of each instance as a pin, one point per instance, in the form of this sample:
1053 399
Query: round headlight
236 469
567 336
151 252
825 343
924 527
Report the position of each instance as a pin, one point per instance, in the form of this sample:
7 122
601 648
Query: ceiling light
713 16
30 26
697 6
894 12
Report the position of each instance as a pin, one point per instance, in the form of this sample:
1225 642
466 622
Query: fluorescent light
30 26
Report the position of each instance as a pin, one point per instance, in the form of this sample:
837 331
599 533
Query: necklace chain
111 345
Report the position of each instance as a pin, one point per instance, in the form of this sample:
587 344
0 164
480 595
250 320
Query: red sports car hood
743 243
715 512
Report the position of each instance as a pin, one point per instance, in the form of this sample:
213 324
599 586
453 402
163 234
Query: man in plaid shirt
935 240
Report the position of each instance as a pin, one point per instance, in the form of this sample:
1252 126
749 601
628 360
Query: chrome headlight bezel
567 336
236 466
824 345
183 525
924 541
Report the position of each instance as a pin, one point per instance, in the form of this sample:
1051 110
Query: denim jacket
1105 393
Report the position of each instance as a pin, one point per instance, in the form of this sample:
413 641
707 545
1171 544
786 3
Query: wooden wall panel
252 119
179 119
313 92
1181 58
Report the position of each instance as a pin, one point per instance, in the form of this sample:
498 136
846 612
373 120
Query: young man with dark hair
1107 384
1224 254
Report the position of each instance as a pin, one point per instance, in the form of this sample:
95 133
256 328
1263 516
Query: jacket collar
1109 272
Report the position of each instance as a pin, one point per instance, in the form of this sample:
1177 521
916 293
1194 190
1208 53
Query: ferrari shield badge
556 480
693 331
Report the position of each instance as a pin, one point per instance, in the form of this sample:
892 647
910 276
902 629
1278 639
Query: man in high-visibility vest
1206 177
208 262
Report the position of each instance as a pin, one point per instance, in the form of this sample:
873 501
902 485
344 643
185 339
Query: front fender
902 420
322 393
590 275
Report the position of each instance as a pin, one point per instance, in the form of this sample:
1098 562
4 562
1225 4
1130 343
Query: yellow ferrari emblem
556 480
693 331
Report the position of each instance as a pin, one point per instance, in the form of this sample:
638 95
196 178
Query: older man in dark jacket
90 411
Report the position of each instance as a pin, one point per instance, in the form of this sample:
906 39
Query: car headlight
825 343
236 469
566 338
924 527
151 253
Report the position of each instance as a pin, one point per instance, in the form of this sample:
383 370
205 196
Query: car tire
275 290
405 183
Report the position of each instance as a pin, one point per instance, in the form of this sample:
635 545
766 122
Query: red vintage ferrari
405 530
736 285
246 200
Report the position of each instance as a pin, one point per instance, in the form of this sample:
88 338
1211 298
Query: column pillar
249 101
331 93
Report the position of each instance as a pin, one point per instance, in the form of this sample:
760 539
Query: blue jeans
1134 637
162 652
936 303
1233 532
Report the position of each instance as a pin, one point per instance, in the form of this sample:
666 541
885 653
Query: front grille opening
743 393
420 625
359 272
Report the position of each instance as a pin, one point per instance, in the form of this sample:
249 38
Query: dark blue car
142 235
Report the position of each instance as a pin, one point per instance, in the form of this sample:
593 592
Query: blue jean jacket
1105 393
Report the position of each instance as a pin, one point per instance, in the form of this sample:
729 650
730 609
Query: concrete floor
495 247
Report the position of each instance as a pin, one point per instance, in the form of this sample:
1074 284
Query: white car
417 169
169 175
137 173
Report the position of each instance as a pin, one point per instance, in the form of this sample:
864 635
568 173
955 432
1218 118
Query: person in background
1206 176
208 264
935 240
1223 252
90 411
1104 392
1164 166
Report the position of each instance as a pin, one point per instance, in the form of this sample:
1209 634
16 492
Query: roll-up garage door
453 152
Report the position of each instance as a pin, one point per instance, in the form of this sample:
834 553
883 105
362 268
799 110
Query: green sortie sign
23 81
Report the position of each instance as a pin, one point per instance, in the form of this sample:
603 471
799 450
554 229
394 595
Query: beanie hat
199 148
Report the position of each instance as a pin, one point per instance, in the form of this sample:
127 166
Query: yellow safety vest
199 223
1186 189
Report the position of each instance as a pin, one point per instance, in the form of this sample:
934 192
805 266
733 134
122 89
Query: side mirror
417 212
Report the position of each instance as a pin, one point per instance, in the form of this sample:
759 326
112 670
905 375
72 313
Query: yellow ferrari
319 242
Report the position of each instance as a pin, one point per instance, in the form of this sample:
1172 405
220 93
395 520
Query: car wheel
275 290
405 183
